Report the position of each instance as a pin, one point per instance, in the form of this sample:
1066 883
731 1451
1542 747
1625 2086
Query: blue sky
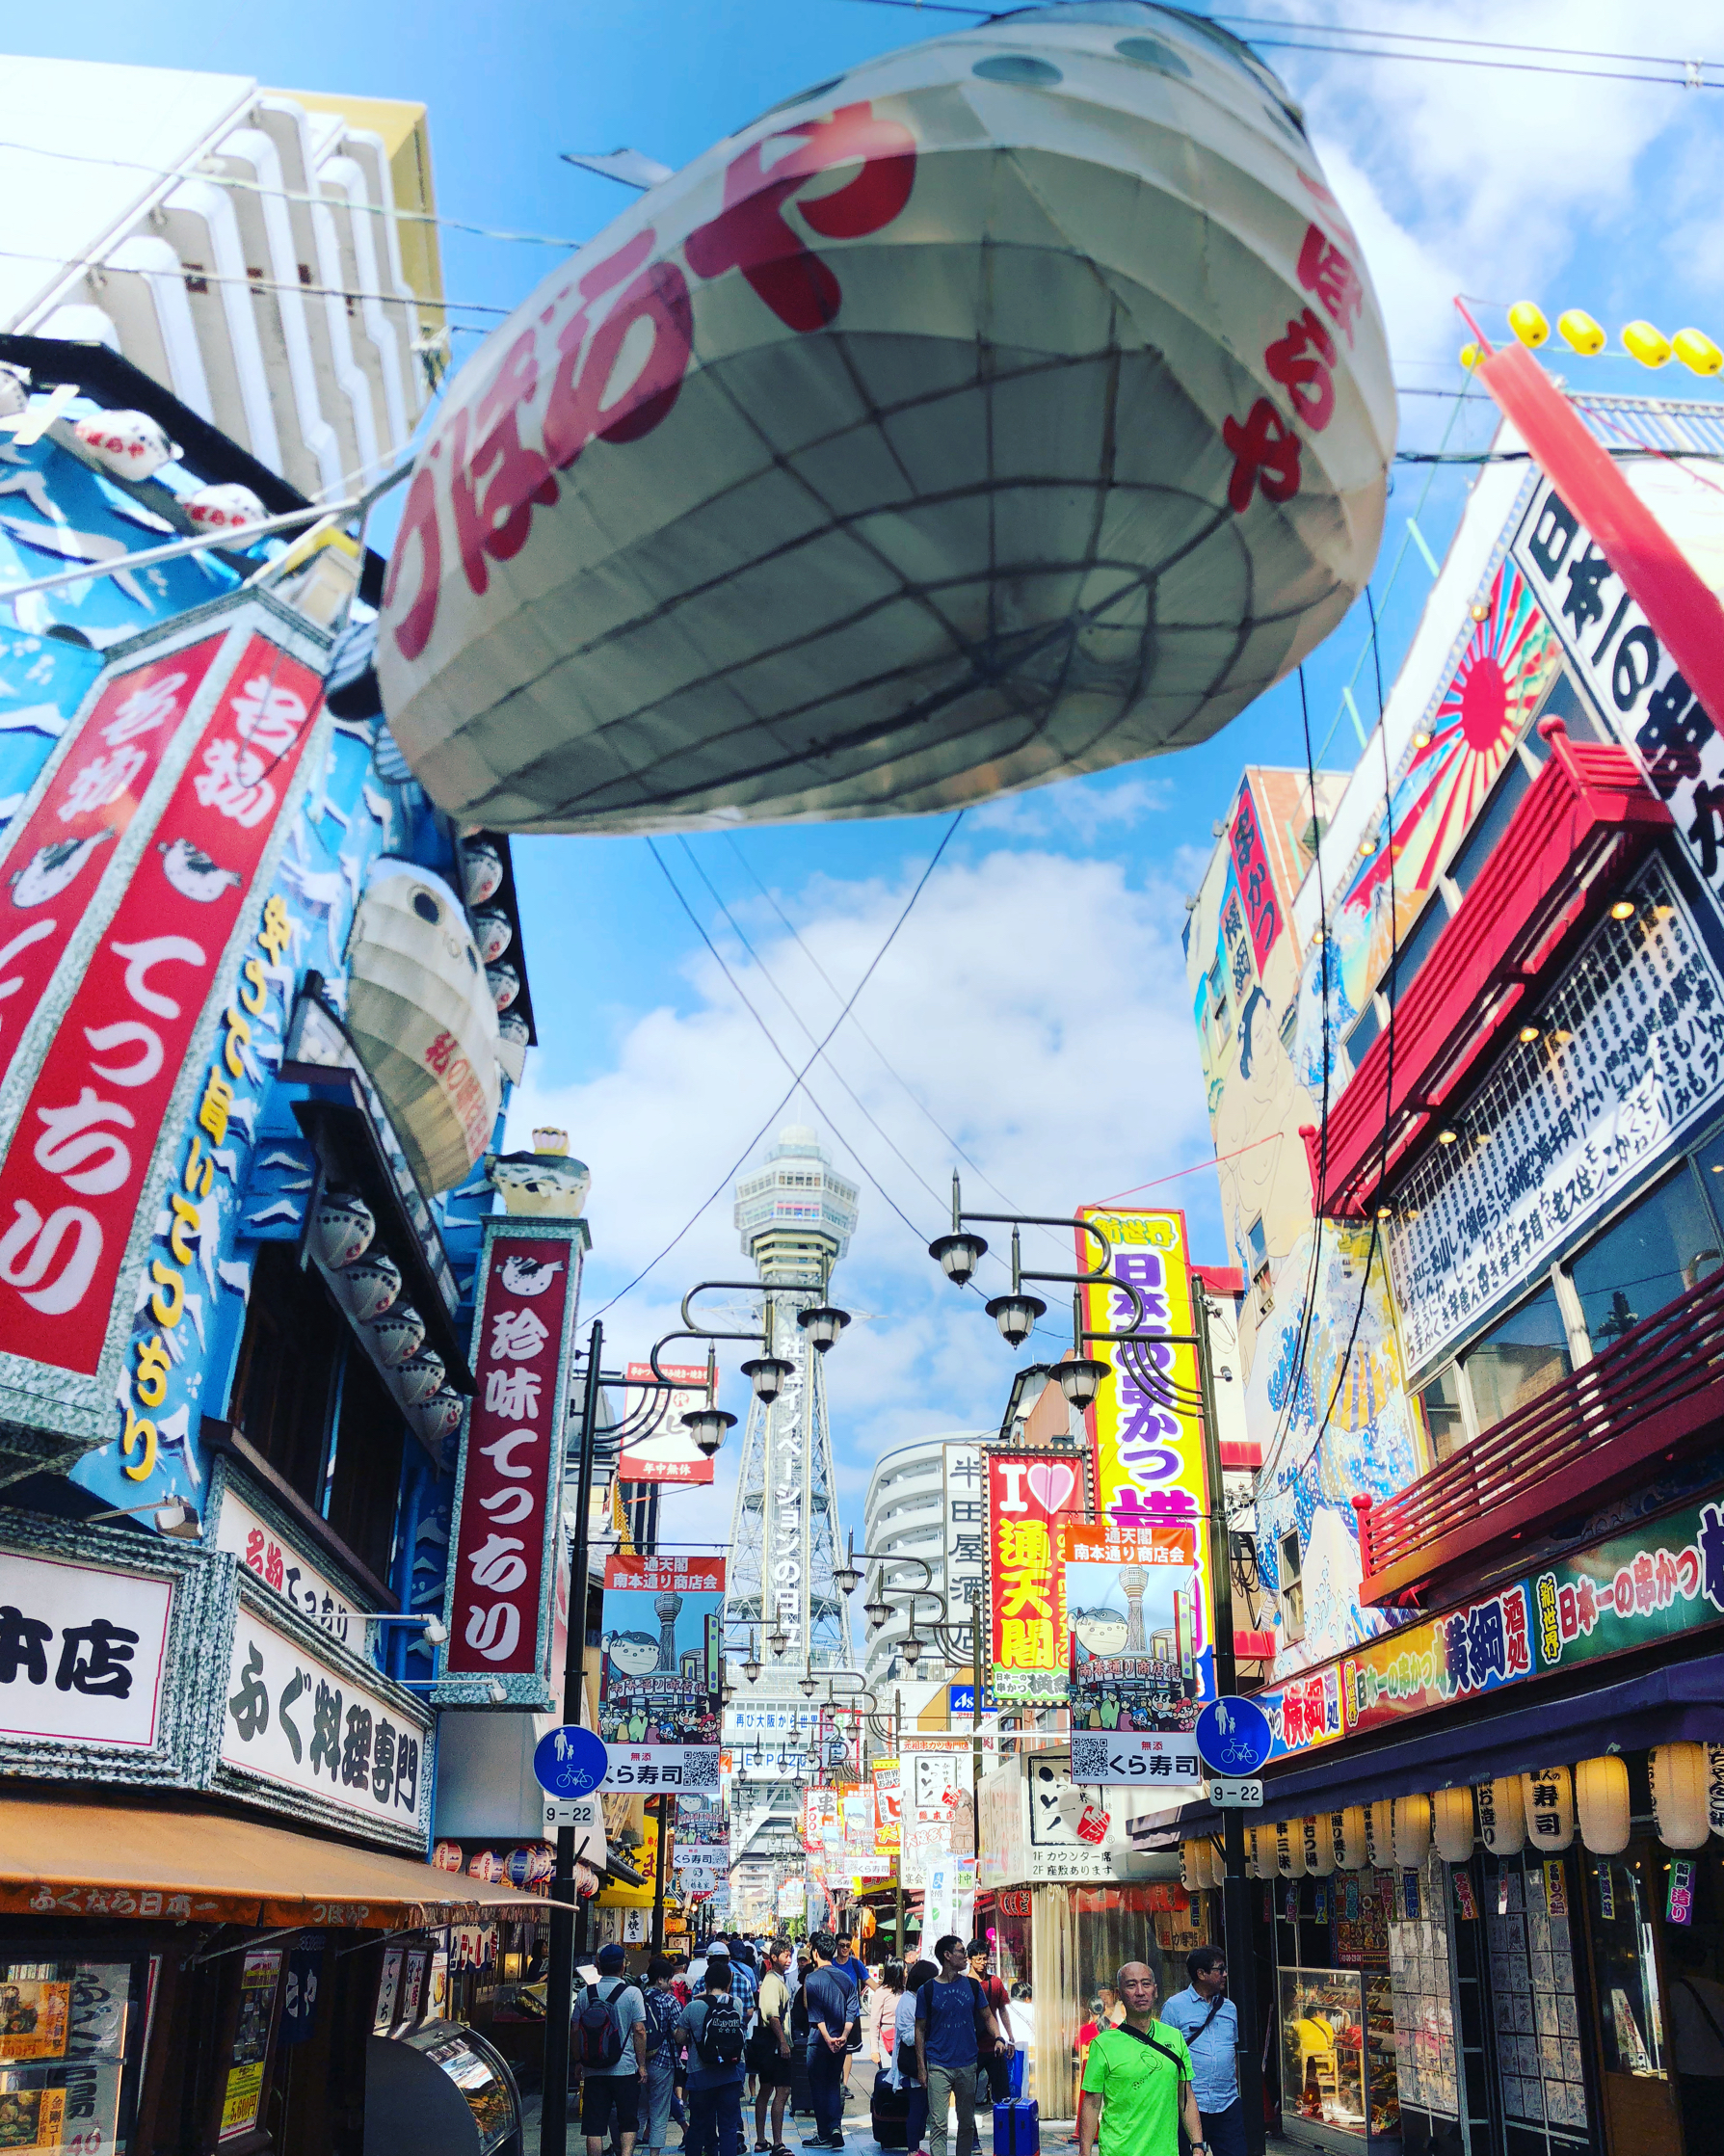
1034 1002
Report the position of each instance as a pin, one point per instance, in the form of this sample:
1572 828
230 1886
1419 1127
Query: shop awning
61 1859
1682 1702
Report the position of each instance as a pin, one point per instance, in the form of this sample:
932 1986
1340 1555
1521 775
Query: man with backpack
955 2029
712 2028
996 2071
833 2010
607 2041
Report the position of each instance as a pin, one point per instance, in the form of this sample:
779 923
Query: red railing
1584 821
1657 1389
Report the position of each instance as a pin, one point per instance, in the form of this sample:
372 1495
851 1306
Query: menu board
242 2099
1361 1920
1529 1933
1422 1980
64 2031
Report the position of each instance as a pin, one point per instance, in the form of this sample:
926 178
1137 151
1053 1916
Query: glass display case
439 2087
1338 2077
71 2042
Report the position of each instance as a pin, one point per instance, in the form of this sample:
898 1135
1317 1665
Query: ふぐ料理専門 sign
128 993
502 1566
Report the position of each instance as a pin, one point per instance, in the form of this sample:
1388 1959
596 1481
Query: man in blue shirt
834 2010
1209 2022
953 2023
714 2084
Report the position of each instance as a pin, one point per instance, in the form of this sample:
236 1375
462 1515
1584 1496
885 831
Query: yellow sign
1144 1424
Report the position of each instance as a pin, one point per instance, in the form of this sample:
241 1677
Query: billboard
1129 1613
1027 1654
1145 1427
669 1454
663 1648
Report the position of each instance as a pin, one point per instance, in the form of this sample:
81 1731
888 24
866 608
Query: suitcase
889 2115
1016 2128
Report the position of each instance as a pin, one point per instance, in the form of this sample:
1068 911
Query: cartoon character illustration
54 868
1101 1632
192 873
631 1653
525 1276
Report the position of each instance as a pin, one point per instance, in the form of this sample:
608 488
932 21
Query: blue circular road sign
1233 1736
571 1762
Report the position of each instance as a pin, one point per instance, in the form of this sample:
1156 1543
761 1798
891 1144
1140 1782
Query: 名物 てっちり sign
281 1564
1028 1498
502 1571
1149 1448
126 908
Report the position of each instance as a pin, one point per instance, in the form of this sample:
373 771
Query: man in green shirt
1137 2081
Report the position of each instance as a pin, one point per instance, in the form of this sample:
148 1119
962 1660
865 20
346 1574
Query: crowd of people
701 2040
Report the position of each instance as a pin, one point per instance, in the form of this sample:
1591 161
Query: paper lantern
1319 1844
1452 1823
1190 1866
423 1016
1548 1798
1379 1832
1680 1794
1009 407
1350 1829
129 443
1412 1835
1602 1804
1502 1816
1289 1848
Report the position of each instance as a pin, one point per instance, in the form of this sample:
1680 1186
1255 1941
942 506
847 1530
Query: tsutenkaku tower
795 1217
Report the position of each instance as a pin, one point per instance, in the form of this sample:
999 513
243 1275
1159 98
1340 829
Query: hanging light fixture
1081 1379
1679 1795
823 1323
1411 1835
1602 1804
1452 1823
708 1427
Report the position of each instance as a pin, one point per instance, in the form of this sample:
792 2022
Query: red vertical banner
502 1575
1029 1655
1256 886
73 1177
52 868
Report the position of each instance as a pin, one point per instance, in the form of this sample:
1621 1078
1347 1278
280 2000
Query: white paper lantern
1680 1795
1452 1823
1602 1804
1190 1866
1289 1849
130 444
225 508
1548 1798
1351 1855
1010 406
1715 1786
1379 1833
1412 1834
1502 1816
1319 1844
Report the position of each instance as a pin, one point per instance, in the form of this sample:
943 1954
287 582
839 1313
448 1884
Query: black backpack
601 2030
722 2039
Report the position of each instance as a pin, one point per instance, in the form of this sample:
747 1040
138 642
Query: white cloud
1037 1005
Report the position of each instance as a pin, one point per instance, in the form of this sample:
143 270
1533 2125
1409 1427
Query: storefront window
1646 1259
1525 1356
1445 1422
71 2042
1630 2010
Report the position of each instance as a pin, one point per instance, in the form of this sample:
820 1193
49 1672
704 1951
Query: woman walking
904 2062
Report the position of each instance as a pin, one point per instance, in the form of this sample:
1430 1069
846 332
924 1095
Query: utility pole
899 1949
658 1874
559 2002
1241 1956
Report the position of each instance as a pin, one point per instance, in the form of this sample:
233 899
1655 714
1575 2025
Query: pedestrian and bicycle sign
1233 1736
571 1762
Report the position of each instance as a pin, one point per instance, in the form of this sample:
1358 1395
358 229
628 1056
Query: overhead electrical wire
742 1158
248 283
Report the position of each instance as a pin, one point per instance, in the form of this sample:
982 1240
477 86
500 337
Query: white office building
926 1501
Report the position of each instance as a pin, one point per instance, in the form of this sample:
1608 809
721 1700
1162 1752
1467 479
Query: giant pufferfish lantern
1008 408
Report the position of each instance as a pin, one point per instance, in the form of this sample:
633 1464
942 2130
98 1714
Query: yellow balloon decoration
1578 330
1697 352
1527 319
1649 345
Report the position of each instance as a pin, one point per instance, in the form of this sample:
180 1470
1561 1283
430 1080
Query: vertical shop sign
1149 1449
658 1702
667 1454
1027 1498
502 1579
1256 886
889 1807
72 1182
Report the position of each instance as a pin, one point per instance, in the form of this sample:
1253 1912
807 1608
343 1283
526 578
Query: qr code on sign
699 1770
1089 1759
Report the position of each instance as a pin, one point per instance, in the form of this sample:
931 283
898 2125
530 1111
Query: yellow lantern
1547 1798
1680 1794
1412 1831
1650 346
1528 321
1697 352
1379 1833
1319 1855
1580 333
1602 1804
1352 1838
1190 1866
1289 1849
1502 1816
1452 1823
1472 356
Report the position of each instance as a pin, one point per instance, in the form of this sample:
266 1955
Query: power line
1442 38
258 283
731 1173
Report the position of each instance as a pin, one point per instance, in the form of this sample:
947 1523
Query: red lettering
418 522
582 406
1266 452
